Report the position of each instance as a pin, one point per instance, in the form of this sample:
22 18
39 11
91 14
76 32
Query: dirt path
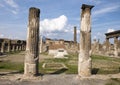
19 57
59 80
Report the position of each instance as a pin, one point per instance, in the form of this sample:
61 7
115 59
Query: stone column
98 46
107 46
84 63
12 47
41 44
32 48
17 47
116 46
20 47
3 47
75 35
94 46
9 46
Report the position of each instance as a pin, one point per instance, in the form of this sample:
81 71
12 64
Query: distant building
58 50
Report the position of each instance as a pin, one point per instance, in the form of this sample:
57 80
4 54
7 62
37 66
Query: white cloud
1 35
11 3
96 1
14 12
56 24
110 30
94 37
99 34
78 31
66 30
107 9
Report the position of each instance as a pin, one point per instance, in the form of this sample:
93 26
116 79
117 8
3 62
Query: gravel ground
62 79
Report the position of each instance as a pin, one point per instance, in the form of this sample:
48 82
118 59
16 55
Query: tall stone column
32 48
3 47
116 46
84 63
75 35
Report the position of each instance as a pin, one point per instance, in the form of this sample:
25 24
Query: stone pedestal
32 48
84 63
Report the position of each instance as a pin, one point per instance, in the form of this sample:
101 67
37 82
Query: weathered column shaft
3 47
75 35
17 47
32 48
116 46
107 44
41 44
84 63
13 48
9 46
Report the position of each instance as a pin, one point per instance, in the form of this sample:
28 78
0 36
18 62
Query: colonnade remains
109 47
8 45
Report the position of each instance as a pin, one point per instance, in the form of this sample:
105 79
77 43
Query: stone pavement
62 79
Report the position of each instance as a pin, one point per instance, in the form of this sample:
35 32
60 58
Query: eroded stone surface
32 48
84 63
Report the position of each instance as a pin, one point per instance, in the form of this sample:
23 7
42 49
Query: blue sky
58 17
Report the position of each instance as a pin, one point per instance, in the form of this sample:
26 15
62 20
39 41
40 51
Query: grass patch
72 69
98 57
105 65
15 52
44 53
100 65
10 66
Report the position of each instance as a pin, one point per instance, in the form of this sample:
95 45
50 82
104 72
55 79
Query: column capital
86 6
34 9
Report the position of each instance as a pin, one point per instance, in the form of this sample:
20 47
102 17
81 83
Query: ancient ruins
58 48
32 47
107 48
8 45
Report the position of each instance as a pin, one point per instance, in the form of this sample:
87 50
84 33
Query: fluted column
84 63
32 48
